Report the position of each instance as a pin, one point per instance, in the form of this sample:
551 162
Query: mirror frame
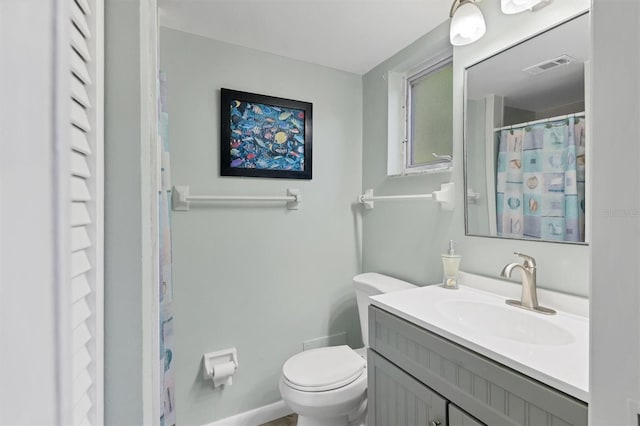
465 150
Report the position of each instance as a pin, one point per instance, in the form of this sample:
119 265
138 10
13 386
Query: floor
290 420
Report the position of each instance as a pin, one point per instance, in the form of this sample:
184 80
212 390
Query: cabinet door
457 417
397 399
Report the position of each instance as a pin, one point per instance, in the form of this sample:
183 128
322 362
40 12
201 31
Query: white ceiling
350 35
502 74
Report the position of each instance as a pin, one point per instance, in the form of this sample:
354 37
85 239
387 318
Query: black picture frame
265 136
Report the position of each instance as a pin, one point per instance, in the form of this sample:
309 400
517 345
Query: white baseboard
255 417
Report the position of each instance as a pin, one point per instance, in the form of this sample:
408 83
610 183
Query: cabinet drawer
487 390
397 399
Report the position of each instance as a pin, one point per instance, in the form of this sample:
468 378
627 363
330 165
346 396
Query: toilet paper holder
218 358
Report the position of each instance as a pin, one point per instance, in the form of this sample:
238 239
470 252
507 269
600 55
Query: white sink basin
506 322
553 349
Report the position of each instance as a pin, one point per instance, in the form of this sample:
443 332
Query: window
429 118
420 115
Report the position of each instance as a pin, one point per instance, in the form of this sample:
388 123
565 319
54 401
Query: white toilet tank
370 284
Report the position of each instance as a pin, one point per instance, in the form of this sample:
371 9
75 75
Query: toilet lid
324 368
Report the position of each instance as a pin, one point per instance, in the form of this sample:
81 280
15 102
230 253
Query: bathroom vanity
459 357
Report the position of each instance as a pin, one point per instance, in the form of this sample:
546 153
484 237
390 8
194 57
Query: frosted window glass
431 116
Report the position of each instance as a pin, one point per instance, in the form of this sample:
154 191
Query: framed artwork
264 136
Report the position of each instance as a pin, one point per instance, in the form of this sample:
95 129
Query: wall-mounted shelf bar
181 198
446 197
368 195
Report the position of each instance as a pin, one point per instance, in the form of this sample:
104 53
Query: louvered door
86 211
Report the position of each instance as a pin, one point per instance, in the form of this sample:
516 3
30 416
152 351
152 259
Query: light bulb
510 7
467 25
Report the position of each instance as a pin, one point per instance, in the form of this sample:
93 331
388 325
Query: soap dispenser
451 265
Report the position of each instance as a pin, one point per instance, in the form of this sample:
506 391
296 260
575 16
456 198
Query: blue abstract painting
265 137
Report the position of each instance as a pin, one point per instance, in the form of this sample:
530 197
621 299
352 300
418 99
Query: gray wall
260 278
615 301
405 239
125 171
400 238
32 226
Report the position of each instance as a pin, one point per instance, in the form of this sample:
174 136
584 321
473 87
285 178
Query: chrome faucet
529 298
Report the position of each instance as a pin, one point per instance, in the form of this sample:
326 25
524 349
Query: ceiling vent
549 64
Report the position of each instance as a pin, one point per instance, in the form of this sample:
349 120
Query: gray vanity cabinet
397 399
412 370
457 417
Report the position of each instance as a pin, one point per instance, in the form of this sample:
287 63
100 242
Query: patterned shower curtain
540 190
167 385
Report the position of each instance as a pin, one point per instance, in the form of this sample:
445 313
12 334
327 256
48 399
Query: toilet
328 386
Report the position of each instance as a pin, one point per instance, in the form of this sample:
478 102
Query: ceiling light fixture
509 7
467 22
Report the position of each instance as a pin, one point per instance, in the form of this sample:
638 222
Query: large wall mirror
524 138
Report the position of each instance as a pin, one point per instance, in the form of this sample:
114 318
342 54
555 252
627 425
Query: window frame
418 73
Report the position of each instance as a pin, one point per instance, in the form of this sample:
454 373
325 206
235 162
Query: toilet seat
323 369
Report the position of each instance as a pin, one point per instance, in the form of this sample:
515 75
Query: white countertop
564 366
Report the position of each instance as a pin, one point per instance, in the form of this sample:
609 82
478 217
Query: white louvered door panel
86 180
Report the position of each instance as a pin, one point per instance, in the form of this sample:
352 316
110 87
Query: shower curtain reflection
540 180
167 343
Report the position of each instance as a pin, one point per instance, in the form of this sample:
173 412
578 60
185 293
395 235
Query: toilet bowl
328 386
325 386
